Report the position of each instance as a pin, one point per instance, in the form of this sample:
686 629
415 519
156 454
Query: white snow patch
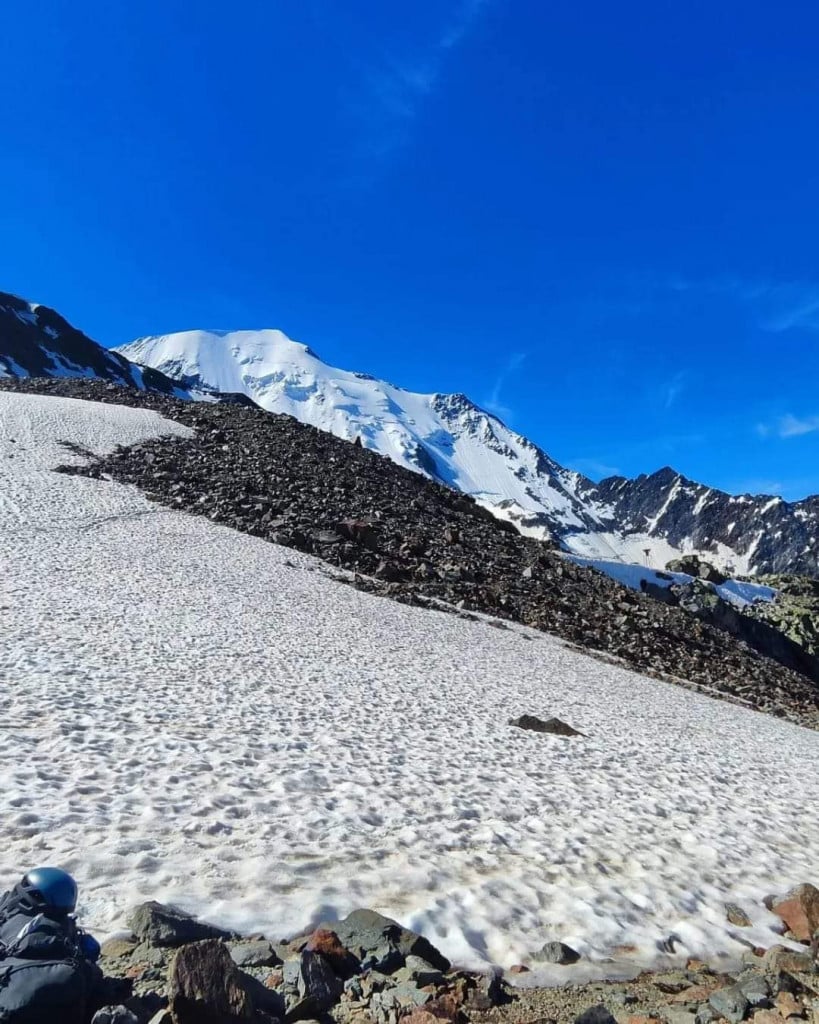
735 592
197 716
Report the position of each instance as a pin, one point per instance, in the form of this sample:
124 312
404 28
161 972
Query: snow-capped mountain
452 440
745 533
37 342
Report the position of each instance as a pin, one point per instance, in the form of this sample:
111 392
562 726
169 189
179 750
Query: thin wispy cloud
674 388
789 426
777 306
397 87
494 402
792 426
788 488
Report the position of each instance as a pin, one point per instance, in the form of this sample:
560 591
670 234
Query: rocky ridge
794 611
755 534
391 531
368 969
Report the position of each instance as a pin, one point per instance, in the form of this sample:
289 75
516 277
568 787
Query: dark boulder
160 925
205 987
549 725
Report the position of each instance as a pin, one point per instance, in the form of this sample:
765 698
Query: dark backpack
44 977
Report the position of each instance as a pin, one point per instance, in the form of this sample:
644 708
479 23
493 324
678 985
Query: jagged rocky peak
36 341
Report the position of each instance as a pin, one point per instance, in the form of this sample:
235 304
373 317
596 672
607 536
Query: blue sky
598 219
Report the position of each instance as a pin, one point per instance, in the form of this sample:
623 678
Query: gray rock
678 1015
383 944
145 953
596 1015
263 998
404 996
549 725
706 1015
737 916
254 953
417 969
730 1003
114 1015
159 925
755 989
557 953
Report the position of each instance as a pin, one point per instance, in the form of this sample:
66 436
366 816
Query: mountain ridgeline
452 440
446 437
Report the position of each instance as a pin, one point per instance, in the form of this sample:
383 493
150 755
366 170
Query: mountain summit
452 440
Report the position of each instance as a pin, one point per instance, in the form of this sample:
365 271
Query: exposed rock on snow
168 926
557 953
692 565
550 725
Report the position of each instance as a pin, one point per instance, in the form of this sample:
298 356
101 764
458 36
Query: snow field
193 715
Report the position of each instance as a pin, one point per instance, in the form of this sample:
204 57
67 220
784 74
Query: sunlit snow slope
452 440
195 715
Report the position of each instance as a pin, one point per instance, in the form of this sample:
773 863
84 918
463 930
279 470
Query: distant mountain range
446 437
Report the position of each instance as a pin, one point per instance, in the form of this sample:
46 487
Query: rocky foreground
393 532
367 969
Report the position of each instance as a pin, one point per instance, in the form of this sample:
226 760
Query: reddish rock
799 909
768 1017
788 1005
695 994
445 1008
639 1018
419 1016
274 979
326 942
518 969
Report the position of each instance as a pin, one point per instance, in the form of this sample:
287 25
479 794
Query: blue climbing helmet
53 887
